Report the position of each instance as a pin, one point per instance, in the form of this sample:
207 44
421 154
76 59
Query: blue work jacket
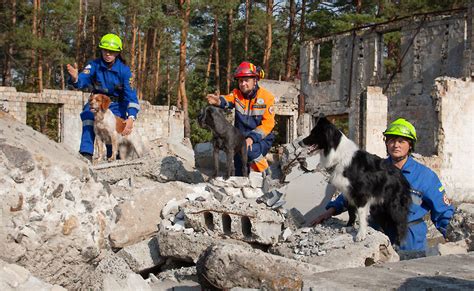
428 195
113 82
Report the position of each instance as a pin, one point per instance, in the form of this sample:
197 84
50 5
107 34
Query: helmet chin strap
399 159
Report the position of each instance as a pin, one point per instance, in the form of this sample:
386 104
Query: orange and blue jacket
254 114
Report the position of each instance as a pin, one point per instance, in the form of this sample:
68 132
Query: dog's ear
104 105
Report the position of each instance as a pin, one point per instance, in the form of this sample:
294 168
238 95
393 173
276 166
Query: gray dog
225 137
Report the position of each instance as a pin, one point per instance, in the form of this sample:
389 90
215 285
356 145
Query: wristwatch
132 117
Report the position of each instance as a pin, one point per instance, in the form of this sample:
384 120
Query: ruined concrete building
62 109
420 68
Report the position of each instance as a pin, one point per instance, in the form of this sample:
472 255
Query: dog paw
360 236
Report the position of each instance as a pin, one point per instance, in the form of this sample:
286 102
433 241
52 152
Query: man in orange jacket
254 115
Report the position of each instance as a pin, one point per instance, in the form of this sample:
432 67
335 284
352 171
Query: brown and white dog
108 130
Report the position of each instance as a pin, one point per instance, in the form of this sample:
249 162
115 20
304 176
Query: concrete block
187 246
224 266
236 182
256 179
252 193
143 255
237 218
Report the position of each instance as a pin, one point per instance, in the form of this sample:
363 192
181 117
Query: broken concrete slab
159 169
131 283
306 189
237 218
252 193
331 245
228 266
142 256
15 277
234 182
453 272
255 179
204 160
448 248
138 217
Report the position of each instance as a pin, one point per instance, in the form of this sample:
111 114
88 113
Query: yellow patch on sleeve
441 189
132 82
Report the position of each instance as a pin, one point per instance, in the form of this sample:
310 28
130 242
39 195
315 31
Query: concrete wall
431 46
286 102
153 121
454 101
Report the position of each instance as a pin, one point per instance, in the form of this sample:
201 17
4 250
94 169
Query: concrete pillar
374 120
470 31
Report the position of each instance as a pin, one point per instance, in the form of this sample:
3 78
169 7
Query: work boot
87 156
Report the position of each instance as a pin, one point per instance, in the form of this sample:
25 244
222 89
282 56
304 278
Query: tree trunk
230 20
289 46
216 45
268 38
132 47
380 8
40 52
246 28
209 61
7 73
94 37
185 7
138 75
49 72
78 35
63 79
358 6
168 83
157 47
85 47
143 78
34 31
302 21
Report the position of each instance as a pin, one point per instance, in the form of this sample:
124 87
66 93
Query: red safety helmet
247 69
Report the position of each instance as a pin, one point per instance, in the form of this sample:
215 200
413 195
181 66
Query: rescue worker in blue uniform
107 75
428 194
254 115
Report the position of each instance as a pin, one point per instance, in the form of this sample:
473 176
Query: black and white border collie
368 182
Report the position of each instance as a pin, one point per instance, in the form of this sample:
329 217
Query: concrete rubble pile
55 217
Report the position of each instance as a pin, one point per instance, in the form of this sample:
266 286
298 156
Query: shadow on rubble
173 169
437 283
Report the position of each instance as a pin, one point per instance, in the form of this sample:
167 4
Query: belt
415 222
116 98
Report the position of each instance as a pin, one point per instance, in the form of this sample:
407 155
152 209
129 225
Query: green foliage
44 118
197 102
392 43
325 62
